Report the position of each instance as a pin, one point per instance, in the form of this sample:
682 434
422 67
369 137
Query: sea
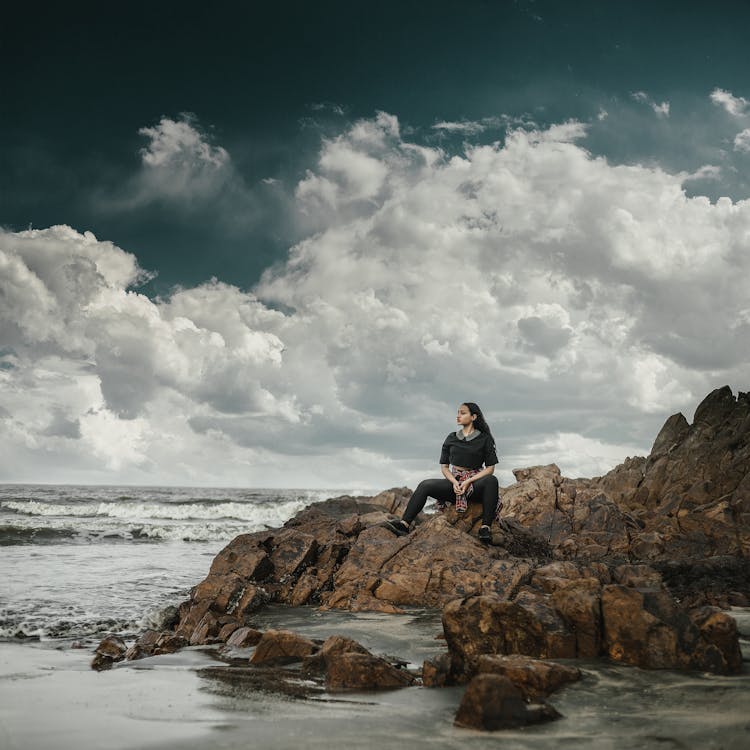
80 562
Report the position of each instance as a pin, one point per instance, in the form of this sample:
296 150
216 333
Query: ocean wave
12 535
263 514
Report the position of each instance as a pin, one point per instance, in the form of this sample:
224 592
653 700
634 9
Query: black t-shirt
470 453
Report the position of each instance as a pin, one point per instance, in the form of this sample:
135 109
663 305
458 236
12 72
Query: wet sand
50 698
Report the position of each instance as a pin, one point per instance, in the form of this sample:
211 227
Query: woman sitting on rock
468 463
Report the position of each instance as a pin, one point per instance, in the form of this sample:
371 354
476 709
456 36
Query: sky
244 245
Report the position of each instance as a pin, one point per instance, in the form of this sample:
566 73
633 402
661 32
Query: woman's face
464 416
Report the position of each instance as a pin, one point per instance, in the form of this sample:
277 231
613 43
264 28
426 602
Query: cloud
182 170
662 110
735 105
742 141
567 295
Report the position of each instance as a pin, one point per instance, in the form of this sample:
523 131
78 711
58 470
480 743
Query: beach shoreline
50 698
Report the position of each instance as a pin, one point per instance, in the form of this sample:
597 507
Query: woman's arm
445 468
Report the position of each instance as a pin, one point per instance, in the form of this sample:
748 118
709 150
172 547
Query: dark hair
480 423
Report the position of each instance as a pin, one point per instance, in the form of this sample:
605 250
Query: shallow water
166 702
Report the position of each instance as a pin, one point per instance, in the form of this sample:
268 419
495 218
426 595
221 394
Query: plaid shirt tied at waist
462 501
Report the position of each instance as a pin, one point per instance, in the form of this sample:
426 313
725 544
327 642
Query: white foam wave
261 514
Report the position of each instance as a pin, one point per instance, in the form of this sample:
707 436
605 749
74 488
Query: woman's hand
457 487
464 486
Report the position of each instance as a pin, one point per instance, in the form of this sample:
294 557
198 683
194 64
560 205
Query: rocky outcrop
631 565
632 624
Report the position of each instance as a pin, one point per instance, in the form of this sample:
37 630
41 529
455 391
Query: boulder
534 678
317 663
646 628
282 647
489 625
358 671
492 702
436 672
110 650
244 637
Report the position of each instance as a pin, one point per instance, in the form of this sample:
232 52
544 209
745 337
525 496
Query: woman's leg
486 492
440 489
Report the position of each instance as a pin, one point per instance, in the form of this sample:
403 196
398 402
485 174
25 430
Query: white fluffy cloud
735 105
578 302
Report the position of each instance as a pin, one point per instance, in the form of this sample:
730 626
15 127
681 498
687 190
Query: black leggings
485 491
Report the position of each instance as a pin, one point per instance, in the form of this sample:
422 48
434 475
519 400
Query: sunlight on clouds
528 275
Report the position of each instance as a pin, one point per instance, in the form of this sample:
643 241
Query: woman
467 462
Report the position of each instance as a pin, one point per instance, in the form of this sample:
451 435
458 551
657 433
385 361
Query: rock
110 650
533 677
436 672
206 631
144 646
317 663
720 630
646 628
637 576
490 625
244 637
282 647
579 604
492 702
169 643
359 671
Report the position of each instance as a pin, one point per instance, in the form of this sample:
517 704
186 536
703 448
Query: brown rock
492 702
358 671
533 677
579 604
169 643
282 647
645 627
110 650
206 631
720 629
317 663
489 625
244 637
436 672
637 576
245 557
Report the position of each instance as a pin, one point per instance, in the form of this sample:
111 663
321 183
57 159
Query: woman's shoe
485 535
398 527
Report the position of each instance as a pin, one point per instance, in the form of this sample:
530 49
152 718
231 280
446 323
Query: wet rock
144 646
169 643
282 647
317 663
646 628
637 576
436 672
533 677
579 604
490 625
244 637
492 702
349 670
720 629
110 650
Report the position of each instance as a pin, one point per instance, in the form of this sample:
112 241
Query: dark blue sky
80 80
